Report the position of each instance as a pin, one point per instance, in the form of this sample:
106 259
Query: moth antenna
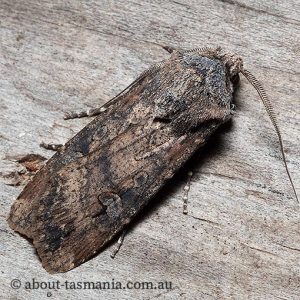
203 49
269 108
170 49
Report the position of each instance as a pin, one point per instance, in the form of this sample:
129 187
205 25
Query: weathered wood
240 238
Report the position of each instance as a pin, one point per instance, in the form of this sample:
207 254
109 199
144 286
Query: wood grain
240 239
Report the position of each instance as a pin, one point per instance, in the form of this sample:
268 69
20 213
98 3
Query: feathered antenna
263 96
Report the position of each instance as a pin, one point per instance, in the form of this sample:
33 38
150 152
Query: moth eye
235 79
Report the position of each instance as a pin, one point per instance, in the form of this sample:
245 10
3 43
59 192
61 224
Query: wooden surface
241 238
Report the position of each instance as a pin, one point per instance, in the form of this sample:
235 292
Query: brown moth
101 178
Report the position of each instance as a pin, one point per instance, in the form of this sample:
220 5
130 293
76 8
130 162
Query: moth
102 177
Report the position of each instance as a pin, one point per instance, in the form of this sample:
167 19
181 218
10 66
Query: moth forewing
108 172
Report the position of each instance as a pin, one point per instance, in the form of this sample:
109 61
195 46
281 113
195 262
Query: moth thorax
233 63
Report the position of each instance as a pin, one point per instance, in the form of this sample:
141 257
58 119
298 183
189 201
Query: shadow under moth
101 178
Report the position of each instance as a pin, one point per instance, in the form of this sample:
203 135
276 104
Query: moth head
233 63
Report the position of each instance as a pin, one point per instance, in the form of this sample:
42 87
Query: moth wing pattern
109 171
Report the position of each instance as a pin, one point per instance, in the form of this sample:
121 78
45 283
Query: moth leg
232 109
96 111
86 113
119 244
186 192
53 147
